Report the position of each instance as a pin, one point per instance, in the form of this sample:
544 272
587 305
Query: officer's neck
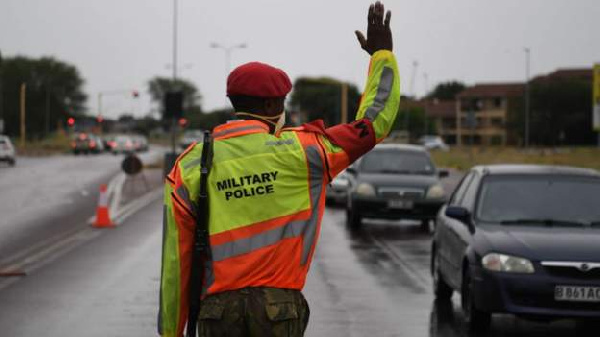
252 118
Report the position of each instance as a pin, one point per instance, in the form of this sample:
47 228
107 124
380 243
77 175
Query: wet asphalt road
374 282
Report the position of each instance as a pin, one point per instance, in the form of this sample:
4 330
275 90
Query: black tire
441 289
477 320
12 162
353 217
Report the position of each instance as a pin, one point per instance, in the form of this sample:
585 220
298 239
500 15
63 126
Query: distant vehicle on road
431 142
122 144
140 143
85 143
395 181
522 240
7 151
337 190
189 137
96 144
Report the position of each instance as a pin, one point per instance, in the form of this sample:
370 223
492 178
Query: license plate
577 294
400 204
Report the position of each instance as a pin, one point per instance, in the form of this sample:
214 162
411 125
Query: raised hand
379 35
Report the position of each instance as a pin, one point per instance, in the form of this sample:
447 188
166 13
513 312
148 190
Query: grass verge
463 158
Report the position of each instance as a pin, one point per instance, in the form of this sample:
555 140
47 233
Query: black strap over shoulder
201 249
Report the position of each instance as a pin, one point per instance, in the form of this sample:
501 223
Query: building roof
494 90
443 109
585 74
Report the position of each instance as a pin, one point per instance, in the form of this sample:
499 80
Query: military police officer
266 193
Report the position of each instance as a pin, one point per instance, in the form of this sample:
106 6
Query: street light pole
527 98
412 92
174 41
228 50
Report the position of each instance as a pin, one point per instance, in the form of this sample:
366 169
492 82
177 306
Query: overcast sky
120 44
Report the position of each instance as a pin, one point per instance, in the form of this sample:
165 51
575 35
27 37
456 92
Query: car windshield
546 200
394 161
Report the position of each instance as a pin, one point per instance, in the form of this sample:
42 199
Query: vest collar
239 127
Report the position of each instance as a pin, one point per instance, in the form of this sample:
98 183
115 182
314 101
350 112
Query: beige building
443 116
484 112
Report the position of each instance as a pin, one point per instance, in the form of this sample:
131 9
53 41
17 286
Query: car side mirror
461 214
351 170
443 173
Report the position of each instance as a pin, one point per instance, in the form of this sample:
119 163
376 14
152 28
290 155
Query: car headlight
436 192
365 189
507 263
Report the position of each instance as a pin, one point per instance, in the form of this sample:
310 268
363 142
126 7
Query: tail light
92 144
112 144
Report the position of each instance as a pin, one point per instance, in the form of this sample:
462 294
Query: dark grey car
521 239
395 181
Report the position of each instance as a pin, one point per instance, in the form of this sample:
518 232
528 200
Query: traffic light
71 121
183 122
173 105
99 119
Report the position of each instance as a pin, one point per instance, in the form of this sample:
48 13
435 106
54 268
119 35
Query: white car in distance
7 151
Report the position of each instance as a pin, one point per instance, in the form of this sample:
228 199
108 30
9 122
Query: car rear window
553 197
394 161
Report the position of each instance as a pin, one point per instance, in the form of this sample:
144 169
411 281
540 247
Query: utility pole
47 111
171 157
23 96
426 82
344 103
527 98
1 98
412 93
174 41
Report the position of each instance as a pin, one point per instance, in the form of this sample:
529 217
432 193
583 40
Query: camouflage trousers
264 312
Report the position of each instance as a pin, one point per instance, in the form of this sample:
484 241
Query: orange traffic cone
102 216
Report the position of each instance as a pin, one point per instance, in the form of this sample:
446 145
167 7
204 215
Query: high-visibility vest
266 197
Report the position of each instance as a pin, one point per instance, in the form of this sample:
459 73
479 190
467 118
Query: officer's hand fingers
388 17
370 17
361 39
378 14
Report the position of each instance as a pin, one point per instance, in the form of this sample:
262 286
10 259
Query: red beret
258 79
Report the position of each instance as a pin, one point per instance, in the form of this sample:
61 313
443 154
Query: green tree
417 124
321 99
561 112
159 86
207 121
447 90
54 92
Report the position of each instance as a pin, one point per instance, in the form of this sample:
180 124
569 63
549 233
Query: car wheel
476 319
353 217
441 289
12 162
